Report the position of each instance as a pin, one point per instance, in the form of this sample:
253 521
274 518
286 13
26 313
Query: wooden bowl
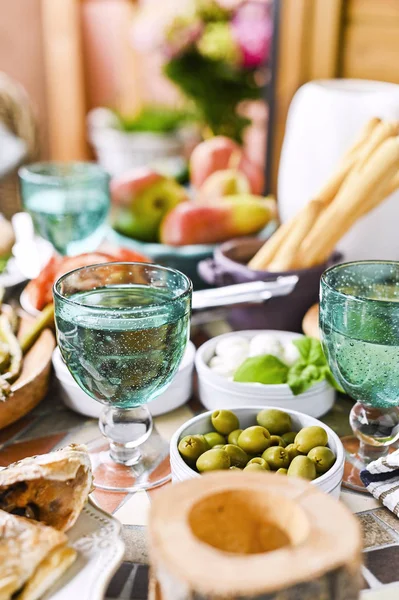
32 384
310 323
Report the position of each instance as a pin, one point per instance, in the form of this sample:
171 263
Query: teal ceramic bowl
183 258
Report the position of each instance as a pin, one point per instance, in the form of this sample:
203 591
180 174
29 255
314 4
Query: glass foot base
353 465
151 470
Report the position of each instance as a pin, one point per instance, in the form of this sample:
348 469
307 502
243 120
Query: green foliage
216 89
266 369
3 262
157 119
309 369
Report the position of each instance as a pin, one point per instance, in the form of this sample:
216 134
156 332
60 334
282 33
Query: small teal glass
122 329
359 325
68 202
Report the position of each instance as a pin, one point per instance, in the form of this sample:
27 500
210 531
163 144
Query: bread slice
32 555
51 488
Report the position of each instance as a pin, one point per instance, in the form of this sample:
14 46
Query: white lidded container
330 482
177 394
216 391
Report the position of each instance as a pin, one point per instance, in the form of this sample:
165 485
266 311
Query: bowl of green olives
288 443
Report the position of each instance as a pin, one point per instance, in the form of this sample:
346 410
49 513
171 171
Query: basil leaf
301 377
266 369
311 351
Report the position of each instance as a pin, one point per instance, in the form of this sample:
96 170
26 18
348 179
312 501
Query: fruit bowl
330 482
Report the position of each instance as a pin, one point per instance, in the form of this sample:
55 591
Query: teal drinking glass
122 329
68 202
359 324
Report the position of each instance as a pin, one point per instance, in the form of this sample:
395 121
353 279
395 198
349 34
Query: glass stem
126 430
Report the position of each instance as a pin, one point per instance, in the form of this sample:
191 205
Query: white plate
97 538
12 275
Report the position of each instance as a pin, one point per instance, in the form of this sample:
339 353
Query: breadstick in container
351 202
287 255
269 249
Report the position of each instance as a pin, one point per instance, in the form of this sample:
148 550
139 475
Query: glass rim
94 170
185 293
324 281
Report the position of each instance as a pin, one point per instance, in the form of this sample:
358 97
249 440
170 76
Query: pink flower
252 30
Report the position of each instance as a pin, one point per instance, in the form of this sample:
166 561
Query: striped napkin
381 478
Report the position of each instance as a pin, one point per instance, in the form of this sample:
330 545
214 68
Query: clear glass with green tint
359 324
122 329
68 202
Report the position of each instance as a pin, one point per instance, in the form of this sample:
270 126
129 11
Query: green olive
276 440
233 437
301 466
213 460
192 446
323 458
289 437
224 421
292 451
310 437
238 458
254 440
275 421
219 446
281 472
255 468
257 464
213 438
233 468
276 457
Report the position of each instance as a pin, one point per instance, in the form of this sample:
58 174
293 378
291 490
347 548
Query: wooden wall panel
371 52
375 10
64 79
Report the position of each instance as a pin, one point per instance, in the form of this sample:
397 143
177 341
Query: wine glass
122 329
68 202
359 323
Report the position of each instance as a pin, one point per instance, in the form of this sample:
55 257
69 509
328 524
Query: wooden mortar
252 536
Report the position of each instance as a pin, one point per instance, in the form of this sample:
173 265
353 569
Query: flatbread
27 549
51 488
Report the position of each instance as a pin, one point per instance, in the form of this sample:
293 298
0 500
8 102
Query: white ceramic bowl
216 391
330 482
174 396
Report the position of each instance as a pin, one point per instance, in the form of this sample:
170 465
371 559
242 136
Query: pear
228 182
215 221
142 198
220 153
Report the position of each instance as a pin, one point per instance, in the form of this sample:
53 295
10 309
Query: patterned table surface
51 425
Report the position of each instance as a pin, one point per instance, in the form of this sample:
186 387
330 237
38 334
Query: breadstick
271 246
287 254
269 250
364 135
393 185
377 197
340 215
329 191
382 132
